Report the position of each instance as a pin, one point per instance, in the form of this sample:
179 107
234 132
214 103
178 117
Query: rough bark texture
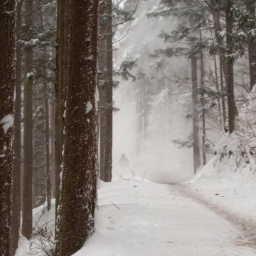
7 85
78 184
230 71
105 90
15 221
28 128
196 146
61 85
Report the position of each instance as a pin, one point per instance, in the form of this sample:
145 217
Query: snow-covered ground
142 218
212 215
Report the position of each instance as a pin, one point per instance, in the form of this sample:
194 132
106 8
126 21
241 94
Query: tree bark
16 192
196 147
47 145
60 87
230 71
252 46
105 90
28 128
202 101
78 183
7 87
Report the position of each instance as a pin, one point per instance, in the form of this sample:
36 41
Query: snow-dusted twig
115 205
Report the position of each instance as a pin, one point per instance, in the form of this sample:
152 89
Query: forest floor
141 218
211 217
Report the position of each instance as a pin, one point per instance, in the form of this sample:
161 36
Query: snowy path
247 226
136 218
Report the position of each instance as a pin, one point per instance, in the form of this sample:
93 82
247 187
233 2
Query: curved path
146 219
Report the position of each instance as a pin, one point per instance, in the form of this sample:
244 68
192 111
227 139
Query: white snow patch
88 107
7 122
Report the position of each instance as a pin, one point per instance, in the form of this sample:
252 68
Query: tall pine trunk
60 87
7 85
222 63
252 45
202 101
28 128
230 71
105 90
16 193
196 147
78 183
47 140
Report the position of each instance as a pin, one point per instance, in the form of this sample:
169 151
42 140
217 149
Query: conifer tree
105 87
28 124
7 85
77 200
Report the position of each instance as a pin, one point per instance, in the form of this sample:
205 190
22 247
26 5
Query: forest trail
147 219
246 226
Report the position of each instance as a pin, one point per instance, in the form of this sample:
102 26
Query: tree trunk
7 87
217 88
252 47
28 129
105 90
47 143
202 101
230 72
16 192
221 52
60 87
47 125
196 147
78 183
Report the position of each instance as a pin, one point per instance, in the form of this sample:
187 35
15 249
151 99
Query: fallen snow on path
139 218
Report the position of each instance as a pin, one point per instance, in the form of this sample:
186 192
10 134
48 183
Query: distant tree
192 17
7 85
196 143
230 68
75 222
250 6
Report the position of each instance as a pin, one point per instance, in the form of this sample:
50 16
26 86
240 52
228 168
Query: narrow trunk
252 46
217 88
202 101
60 87
105 90
222 63
7 87
230 71
47 151
47 125
16 193
196 147
28 128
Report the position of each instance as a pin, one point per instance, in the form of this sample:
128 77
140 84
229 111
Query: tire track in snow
246 227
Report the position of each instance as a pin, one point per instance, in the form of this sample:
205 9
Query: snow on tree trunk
7 85
78 183
28 127
16 193
60 88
